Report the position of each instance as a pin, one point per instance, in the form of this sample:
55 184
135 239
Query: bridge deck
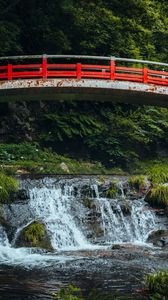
84 81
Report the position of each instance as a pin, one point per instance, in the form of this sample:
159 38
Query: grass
137 182
157 285
156 170
113 190
71 292
158 196
8 185
29 158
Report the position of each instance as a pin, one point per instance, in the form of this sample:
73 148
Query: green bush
137 182
157 285
158 196
69 293
113 190
159 173
8 185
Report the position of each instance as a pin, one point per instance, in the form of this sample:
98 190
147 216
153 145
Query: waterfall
60 207
77 215
3 237
53 206
118 228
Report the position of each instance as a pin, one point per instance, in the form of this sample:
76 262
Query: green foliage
69 293
158 196
112 191
24 151
8 185
71 126
9 38
158 173
130 29
157 285
34 235
116 135
25 157
137 182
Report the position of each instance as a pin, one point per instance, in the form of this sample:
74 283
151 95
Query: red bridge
62 77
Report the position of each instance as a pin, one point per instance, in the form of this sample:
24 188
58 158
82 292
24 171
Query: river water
82 224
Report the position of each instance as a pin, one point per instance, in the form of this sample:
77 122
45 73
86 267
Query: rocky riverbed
105 243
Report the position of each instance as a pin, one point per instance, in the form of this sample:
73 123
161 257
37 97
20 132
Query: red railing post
9 71
112 69
44 66
78 70
145 75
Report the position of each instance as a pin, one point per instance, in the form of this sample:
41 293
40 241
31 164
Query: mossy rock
112 190
88 203
8 185
137 182
158 196
96 230
34 235
125 207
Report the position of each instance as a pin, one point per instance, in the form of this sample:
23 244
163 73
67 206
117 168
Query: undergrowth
158 196
29 158
8 185
157 285
137 182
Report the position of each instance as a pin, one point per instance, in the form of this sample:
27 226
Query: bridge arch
91 78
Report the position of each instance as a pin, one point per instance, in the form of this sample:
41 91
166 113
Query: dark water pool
103 272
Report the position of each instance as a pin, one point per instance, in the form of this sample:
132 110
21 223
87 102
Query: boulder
34 235
158 238
20 196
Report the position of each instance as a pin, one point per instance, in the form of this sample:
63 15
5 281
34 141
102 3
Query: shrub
157 285
137 182
69 293
158 196
158 173
113 190
7 186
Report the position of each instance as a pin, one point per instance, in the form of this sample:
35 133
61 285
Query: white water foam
54 203
53 207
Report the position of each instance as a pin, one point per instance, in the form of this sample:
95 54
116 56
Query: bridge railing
107 68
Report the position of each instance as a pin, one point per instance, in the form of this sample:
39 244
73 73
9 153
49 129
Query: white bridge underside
84 89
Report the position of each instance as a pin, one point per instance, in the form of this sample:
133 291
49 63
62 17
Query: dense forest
114 134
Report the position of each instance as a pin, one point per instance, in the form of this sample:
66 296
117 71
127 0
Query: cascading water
62 206
53 207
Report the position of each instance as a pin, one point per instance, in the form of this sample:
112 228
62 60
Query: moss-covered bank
8 185
29 158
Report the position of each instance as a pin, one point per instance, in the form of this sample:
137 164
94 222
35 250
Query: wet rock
34 235
87 192
117 247
89 203
64 167
20 196
159 238
125 207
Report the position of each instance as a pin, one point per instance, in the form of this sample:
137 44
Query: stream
100 244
